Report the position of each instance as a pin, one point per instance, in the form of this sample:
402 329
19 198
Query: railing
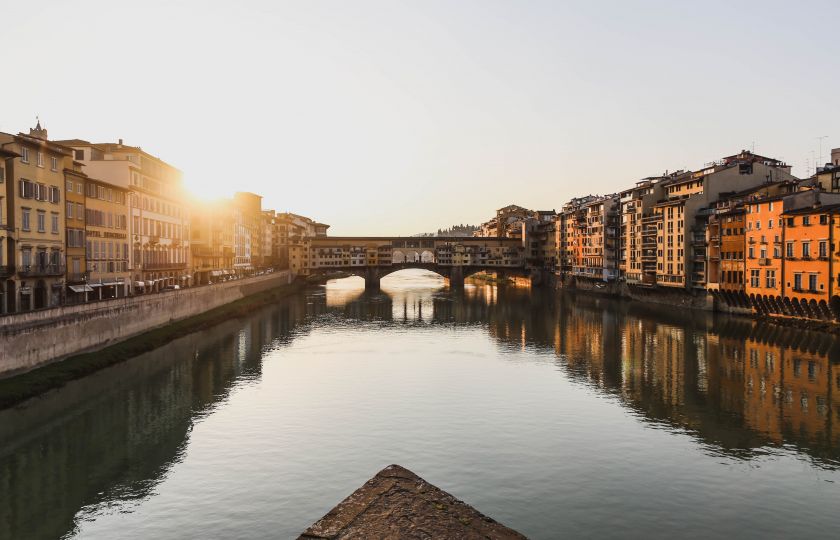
164 266
77 276
764 262
41 271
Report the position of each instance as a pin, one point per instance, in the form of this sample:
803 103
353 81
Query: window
769 223
789 250
54 163
770 276
54 223
70 210
797 282
42 221
806 220
751 251
812 282
806 250
823 249
25 218
2 175
69 184
40 159
24 154
763 253
823 219
27 189
758 224
755 278
79 188
79 155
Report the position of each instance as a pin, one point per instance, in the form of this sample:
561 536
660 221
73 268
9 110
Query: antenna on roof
820 162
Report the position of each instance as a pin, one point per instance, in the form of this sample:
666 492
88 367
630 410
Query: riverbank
18 388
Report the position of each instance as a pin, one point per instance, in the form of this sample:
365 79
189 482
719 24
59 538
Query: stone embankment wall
32 339
659 295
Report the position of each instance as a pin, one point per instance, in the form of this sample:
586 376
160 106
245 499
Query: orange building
809 237
729 230
763 263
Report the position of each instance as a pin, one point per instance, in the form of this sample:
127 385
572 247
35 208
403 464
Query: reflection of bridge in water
454 258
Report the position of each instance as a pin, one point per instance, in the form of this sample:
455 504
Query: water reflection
104 443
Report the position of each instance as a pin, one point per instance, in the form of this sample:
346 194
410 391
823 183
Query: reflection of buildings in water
738 384
80 446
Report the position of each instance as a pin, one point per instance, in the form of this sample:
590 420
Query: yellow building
107 246
34 220
211 241
158 227
74 237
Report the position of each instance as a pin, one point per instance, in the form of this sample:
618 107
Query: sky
391 117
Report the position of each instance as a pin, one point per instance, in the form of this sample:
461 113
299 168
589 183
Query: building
681 218
538 234
507 223
726 239
158 211
773 243
212 227
34 248
809 266
596 238
107 247
267 239
247 237
637 205
290 230
569 231
74 238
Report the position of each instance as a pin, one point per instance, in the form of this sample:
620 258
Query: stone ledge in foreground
396 503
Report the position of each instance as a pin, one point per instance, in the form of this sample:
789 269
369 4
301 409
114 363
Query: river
558 415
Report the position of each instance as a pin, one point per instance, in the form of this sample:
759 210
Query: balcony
165 266
77 277
41 271
764 262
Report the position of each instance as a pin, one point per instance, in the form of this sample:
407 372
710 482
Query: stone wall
32 339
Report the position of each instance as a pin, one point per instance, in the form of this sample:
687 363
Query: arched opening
835 307
427 256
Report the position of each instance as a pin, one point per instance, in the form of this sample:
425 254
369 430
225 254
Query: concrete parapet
30 340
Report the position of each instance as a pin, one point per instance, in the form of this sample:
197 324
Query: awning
216 273
110 283
150 283
95 285
139 284
80 288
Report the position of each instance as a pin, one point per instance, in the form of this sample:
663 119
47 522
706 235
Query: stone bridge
373 258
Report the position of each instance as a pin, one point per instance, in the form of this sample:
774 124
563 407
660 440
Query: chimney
120 142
